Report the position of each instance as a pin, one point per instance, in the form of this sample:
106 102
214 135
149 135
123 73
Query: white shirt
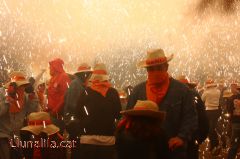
211 98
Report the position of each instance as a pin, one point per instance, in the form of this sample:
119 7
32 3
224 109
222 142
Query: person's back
139 133
211 98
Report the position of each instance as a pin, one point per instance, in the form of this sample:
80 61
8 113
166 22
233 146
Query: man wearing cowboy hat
172 97
76 86
14 107
97 110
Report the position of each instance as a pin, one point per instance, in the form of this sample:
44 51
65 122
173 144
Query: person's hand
175 142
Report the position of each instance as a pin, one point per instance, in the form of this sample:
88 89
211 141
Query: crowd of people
160 118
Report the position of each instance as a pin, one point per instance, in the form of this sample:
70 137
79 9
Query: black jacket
96 113
181 116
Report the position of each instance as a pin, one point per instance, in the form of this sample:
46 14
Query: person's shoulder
178 85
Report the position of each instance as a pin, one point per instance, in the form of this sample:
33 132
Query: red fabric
56 66
157 86
101 87
17 104
39 122
100 72
18 78
57 86
156 61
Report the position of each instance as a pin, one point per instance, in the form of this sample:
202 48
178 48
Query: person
123 98
211 98
77 86
203 124
14 108
97 110
57 88
40 138
234 111
172 97
139 133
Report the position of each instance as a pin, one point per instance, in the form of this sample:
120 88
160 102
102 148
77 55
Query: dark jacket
97 113
231 108
181 116
46 151
130 147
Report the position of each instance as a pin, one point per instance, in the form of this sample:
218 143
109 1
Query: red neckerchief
101 87
157 86
18 103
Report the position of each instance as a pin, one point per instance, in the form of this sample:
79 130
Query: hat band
100 72
184 81
156 61
39 122
83 68
18 78
140 108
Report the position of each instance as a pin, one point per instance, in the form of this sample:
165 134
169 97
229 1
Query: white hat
18 77
99 73
145 108
155 57
84 67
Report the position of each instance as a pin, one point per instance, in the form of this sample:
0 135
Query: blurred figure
172 97
77 86
234 111
97 110
41 92
123 98
14 108
57 88
203 124
211 97
139 133
40 129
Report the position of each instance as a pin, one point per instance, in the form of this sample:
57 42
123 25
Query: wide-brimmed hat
40 122
18 77
185 80
84 67
145 108
210 83
155 57
99 73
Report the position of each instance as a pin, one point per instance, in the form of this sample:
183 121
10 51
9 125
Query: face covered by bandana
157 85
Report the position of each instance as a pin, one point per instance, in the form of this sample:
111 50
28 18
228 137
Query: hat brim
99 77
83 71
147 113
143 64
19 83
49 129
211 85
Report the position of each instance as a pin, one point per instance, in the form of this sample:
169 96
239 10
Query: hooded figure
58 85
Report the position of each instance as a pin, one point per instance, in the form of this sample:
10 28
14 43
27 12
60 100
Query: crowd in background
161 117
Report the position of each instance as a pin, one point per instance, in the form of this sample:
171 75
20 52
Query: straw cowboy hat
40 122
210 83
18 77
154 57
99 73
145 108
185 80
84 67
